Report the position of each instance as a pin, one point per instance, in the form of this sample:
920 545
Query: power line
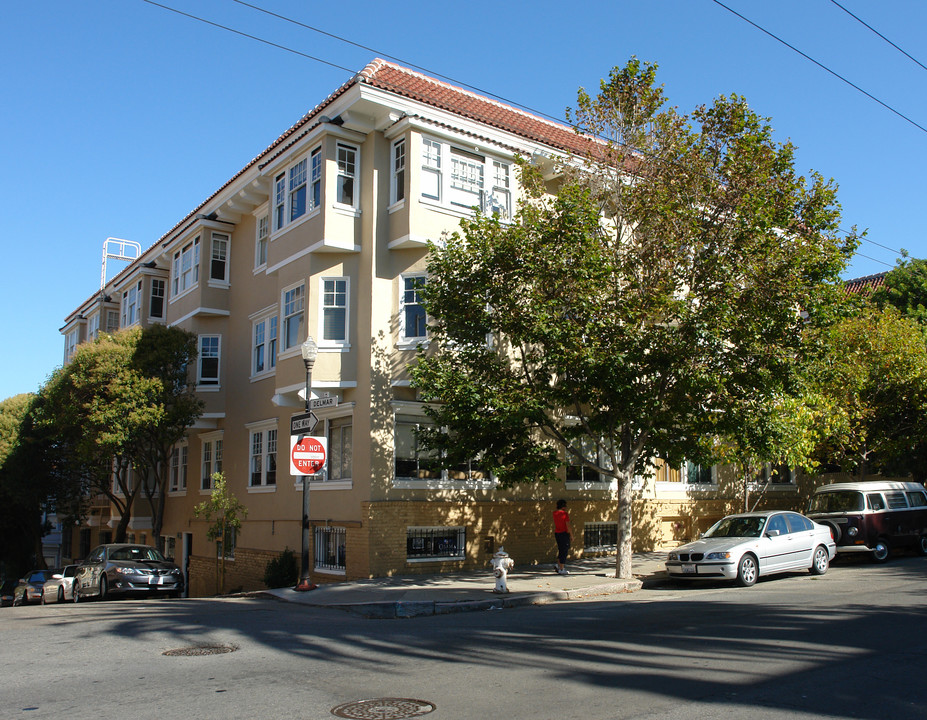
863 22
250 37
408 64
822 66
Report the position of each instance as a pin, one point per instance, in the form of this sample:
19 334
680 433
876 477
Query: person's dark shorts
563 546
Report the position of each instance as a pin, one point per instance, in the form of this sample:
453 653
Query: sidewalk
415 595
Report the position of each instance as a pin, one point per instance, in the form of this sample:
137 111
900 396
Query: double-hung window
294 301
264 355
576 471
186 268
93 327
431 169
298 190
398 180
212 460
335 310
412 316
178 479
346 186
340 448
260 243
298 185
219 260
263 457
156 302
410 459
130 299
209 360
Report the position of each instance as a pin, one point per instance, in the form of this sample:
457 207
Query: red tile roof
865 285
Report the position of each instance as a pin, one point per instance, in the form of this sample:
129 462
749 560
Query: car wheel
102 587
881 551
42 599
75 593
747 571
820 561
60 594
922 545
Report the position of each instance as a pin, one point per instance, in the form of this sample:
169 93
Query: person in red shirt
562 535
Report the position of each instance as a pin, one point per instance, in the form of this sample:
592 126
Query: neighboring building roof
865 285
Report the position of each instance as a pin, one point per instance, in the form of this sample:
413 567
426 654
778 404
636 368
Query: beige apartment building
325 234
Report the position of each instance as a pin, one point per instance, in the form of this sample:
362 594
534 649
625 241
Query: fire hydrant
501 564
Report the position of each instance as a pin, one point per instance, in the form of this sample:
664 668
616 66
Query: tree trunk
625 526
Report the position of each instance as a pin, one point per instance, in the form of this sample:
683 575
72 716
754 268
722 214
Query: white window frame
93 326
112 321
177 483
210 460
70 343
131 312
297 190
459 179
261 241
398 158
262 456
405 339
265 341
329 296
292 308
347 162
157 293
220 248
203 380
185 268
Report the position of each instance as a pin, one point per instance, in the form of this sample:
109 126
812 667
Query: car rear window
836 501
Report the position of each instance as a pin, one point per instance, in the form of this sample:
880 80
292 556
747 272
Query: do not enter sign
307 454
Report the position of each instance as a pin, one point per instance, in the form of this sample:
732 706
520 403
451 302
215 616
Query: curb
391 610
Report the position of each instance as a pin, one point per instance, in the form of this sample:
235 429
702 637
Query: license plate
688 569
160 580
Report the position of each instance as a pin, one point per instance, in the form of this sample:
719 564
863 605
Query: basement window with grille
435 543
600 536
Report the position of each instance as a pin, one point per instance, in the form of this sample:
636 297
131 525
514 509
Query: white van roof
873 485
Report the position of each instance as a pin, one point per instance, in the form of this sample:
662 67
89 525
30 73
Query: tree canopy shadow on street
780 652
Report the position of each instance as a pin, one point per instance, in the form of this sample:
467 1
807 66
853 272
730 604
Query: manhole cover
383 709
201 650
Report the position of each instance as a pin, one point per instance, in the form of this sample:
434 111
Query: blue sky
119 117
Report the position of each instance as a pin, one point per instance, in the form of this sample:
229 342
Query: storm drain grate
201 650
383 709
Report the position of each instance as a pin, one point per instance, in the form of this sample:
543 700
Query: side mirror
772 533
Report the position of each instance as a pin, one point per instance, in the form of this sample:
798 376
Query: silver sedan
126 569
60 586
744 547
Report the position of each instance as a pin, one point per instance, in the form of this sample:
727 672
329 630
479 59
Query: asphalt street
850 644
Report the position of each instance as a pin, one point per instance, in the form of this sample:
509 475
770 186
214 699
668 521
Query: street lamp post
309 351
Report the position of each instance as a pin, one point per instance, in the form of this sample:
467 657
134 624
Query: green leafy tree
22 502
626 317
101 405
873 378
905 288
165 354
225 512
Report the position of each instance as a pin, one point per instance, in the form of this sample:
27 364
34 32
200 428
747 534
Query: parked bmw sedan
125 569
59 587
744 547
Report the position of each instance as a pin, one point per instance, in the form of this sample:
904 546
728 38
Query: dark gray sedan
126 569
